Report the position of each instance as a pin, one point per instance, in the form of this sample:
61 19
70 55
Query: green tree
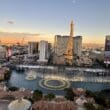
108 103
98 97
100 100
7 74
89 106
37 95
69 95
13 88
50 96
90 93
99 107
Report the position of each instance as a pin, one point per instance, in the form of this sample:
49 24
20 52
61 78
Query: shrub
99 107
90 93
69 95
49 96
89 106
13 88
37 95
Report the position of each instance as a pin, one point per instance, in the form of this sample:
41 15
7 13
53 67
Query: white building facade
60 44
43 51
77 45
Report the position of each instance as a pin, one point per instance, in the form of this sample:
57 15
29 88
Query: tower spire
69 50
71 28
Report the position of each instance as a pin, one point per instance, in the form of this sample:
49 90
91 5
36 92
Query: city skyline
45 19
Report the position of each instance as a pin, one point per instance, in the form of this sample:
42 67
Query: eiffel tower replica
69 51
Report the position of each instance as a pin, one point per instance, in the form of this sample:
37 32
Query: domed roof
20 104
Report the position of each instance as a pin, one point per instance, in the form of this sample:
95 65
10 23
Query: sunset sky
42 19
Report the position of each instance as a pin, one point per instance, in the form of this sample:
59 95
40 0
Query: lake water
18 79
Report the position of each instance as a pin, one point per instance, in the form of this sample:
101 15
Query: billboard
107 50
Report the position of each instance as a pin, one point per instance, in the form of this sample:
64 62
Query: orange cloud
13 38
